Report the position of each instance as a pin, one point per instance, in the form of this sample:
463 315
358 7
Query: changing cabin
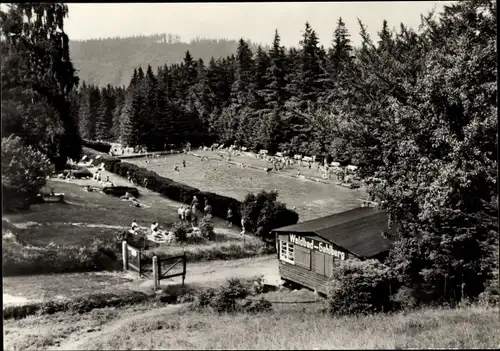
307 250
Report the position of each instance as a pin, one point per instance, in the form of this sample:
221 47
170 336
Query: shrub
263 213
404 299
180 230
97 145
256 285
207 228
204 298
231 297
224 299
360 287
257 306
24 173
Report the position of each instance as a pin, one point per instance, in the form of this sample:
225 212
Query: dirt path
205 273
216 272
77 341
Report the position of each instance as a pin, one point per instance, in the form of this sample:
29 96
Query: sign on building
316 246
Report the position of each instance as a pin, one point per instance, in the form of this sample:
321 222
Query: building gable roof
359 230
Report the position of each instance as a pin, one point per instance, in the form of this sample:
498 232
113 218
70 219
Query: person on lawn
229 218
154 228
134 225
180 212
195 201
184 163
208 208
187 214
135 203
194 217
242 226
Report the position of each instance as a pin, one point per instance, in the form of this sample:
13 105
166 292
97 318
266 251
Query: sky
251 21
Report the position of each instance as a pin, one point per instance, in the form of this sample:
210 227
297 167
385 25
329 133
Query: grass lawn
88 215
311 199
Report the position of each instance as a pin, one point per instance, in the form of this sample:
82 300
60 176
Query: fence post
139 259
183 268
125 255
155 273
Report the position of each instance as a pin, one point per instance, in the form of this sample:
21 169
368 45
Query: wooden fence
161 267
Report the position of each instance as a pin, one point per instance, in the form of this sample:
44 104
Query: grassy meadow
311 199
296 326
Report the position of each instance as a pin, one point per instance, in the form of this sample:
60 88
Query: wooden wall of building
311 268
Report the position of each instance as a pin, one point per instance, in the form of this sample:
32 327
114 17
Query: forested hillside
112 60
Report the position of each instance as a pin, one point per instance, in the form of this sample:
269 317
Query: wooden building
306 251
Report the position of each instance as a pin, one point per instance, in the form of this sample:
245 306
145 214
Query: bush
257 306
360 287
24 173
263 213
97 145
207 227
226 295
180 231
231 297
404 299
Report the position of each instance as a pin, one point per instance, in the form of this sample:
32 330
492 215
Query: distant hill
112 60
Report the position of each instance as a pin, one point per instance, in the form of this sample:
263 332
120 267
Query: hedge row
82 304
180 192
174 190
97 145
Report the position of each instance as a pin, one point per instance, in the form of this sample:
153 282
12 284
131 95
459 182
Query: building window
287 252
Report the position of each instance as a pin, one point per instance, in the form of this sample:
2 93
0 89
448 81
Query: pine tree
88 112
151 113
117 114
104 121
134 132
244 76
262 63
275 93
340 56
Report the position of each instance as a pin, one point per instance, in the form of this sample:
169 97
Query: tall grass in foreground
296 328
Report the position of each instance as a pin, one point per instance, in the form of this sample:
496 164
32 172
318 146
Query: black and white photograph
250 175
